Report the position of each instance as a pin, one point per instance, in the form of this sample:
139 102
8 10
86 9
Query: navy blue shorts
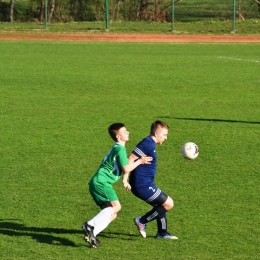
150 194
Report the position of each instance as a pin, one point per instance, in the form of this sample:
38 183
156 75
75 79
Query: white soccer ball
190 150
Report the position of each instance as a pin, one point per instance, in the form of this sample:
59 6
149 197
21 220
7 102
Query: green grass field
56 102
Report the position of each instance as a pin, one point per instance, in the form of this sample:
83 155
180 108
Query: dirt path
112 37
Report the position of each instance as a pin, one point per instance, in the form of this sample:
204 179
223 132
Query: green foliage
85 10
56 101
201 10
21 11
133 10
4 10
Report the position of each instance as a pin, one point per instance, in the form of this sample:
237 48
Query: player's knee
117 207
168 204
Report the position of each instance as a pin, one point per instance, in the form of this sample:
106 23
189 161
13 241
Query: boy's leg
101 194
156 198
96 225
158 212
153 196
162 222
162 202
101 220
105 216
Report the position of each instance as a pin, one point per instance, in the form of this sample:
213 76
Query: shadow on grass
119 235
213 120
9 227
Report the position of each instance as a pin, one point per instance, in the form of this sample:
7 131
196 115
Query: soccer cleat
167 236
140 226
93 243
89 235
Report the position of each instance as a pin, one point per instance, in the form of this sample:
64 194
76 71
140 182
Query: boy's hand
127 185
146 159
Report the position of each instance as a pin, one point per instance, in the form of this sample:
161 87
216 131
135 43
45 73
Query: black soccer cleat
89 235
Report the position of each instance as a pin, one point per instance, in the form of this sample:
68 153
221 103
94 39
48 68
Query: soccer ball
190 150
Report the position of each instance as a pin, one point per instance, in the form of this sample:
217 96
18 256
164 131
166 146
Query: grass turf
56 101
209 26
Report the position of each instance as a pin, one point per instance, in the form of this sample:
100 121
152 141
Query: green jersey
110 169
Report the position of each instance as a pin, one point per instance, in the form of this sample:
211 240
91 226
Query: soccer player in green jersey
114 164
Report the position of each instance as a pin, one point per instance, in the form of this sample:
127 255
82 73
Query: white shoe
140 226
167 236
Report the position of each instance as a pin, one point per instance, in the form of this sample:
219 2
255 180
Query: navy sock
162 224
156 212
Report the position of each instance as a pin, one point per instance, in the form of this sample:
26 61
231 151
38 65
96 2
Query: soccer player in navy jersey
142 182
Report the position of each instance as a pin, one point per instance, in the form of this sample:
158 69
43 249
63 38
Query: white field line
237 59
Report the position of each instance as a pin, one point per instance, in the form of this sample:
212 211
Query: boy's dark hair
157 124
112 130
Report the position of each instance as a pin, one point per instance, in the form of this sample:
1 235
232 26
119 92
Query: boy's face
161 135
122 134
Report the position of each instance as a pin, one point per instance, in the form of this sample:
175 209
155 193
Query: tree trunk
52 7
143 9
11 13
117 10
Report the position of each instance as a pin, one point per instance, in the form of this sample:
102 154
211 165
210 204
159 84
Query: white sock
101 220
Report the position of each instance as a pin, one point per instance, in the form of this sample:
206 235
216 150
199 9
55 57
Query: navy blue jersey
144 174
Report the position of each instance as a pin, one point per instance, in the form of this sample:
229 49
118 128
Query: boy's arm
126 184
125 181
134 161
132 157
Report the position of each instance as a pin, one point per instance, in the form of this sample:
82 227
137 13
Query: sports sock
101 220
162 224
153 214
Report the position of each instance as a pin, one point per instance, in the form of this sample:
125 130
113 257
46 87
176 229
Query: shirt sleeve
143 148
122 157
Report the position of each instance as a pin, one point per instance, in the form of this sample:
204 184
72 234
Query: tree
143 9
11 13
52 7
155 10
258 4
